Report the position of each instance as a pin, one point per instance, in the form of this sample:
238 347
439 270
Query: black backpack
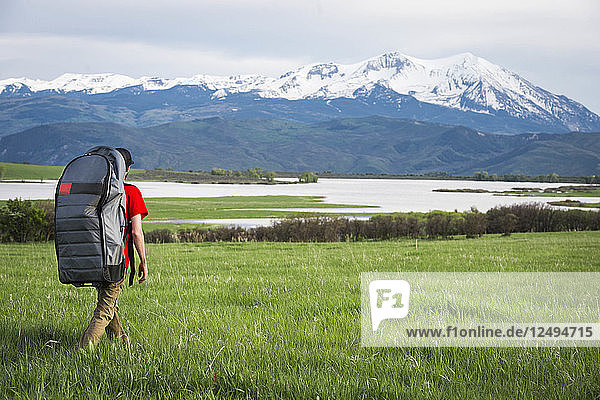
90 221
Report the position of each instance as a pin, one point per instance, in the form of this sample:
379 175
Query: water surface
388 194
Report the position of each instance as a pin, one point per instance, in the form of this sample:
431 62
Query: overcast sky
554 44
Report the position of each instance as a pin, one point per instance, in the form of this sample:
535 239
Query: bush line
528 217
26 221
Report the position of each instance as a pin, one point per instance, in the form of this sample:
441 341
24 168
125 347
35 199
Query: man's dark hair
126 155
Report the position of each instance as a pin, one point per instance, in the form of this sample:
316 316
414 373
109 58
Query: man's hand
143 271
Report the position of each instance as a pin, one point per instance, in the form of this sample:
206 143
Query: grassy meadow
177 208
14 171
276 320
174 208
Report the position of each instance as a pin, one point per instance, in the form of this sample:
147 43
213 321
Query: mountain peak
463 82
391 60
467 57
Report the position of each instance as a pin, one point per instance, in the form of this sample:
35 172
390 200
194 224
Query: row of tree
253 173
484 176
532 217
551 178
258 173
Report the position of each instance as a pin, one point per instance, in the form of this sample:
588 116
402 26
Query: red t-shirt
135 206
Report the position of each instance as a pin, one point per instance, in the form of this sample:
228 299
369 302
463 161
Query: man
105 315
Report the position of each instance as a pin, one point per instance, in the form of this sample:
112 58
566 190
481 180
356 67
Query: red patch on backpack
65 188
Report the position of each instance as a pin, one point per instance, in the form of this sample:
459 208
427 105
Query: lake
388 194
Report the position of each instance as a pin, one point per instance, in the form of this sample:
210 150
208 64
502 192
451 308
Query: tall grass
274 320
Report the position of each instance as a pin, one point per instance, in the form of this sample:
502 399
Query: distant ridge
352 145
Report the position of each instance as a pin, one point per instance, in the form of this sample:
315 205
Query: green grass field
13 171
175 208
275 320
174 227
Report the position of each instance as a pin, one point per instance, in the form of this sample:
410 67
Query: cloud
46 57
312 28
553 43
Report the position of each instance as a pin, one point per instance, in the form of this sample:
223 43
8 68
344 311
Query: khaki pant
105 316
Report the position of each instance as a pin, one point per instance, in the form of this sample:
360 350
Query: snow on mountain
90 83
464 82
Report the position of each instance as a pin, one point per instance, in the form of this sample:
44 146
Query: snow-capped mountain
464 83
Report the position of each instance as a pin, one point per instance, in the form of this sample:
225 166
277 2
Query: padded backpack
90 221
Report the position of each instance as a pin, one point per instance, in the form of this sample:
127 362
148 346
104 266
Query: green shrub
438 225
307 177
269 176
475 223
25 221
508 223
159 236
